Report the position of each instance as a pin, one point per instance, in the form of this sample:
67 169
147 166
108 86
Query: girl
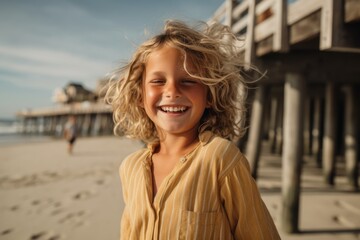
180 94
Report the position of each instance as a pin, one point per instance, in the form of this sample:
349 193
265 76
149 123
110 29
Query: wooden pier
92 119
93 116
307 103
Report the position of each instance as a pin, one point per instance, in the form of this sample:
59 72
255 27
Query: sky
45 44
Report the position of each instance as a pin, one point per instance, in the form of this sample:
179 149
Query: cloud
45 44
46 68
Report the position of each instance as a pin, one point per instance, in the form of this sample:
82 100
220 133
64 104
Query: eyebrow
157 73
162 73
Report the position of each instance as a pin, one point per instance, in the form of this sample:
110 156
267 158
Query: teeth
173 109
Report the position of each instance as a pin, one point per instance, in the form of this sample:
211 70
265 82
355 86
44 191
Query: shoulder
135 156
224 153
221 144
133 160
222 148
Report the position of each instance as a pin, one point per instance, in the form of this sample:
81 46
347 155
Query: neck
178 145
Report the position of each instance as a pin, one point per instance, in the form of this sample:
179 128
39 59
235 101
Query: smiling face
174 101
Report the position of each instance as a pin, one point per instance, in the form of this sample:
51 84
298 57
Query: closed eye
189 82
157 82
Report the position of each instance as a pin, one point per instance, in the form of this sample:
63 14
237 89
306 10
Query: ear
208 101
208 104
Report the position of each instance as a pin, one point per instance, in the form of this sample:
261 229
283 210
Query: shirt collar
204 138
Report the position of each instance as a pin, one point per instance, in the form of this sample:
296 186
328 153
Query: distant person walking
70 133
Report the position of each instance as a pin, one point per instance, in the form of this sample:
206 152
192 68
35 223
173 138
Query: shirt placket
149 194
159 199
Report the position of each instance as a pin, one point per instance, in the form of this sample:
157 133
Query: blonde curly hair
214 56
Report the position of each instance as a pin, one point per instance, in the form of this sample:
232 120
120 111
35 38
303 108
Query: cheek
150 96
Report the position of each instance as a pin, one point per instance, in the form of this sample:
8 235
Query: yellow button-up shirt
210 194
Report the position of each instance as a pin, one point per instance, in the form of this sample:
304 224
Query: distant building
73 93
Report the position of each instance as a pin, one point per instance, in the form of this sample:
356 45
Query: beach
48 194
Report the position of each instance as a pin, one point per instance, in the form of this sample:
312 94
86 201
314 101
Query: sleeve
125 221
247 214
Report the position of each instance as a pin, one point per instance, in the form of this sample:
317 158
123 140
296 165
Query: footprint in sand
57 237
39 235
35 202
14 208
57 204
83 195
6 232
56 212
102 181
75 217
44 236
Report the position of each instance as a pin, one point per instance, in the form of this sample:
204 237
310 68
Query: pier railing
273 25
68 109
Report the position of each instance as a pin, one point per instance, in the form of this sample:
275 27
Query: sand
326 212
47 194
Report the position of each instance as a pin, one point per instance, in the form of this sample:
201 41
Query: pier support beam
273 120
25 125
53 125
279 126
292 151
351 152
97 125
307 126
253 147
328 154
86 125
316 131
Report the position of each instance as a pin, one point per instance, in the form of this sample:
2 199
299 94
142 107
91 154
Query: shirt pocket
198 225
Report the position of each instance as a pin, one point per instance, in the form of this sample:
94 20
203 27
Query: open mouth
178 109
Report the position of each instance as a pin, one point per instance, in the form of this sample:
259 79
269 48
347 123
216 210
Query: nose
172 90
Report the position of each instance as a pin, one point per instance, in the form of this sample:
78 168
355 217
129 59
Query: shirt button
183 159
